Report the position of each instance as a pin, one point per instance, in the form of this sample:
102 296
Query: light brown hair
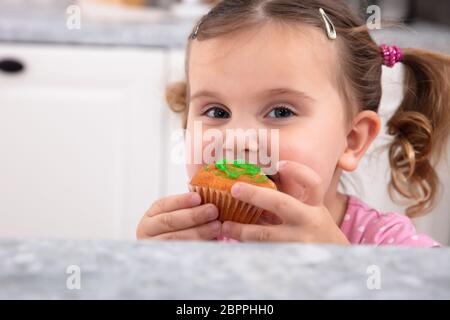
420 126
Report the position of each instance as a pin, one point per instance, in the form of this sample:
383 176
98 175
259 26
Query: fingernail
281 164
237 187
195 199
212 212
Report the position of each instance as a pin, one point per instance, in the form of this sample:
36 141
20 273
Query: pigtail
421 127
176 93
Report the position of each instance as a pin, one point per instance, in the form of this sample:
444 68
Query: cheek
315 148
195 147
190 148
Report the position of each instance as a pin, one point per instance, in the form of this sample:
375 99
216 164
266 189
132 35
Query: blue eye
280 112
217 112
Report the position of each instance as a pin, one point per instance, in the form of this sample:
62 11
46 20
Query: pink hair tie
391 55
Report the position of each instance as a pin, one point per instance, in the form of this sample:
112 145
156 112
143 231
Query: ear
365 128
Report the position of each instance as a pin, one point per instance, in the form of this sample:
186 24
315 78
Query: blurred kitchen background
85 133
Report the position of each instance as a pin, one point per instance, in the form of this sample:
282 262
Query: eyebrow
264 94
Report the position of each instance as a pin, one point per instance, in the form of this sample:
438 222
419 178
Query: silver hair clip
197 27
331 30
195 33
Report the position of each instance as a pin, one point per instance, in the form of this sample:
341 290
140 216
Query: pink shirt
367 226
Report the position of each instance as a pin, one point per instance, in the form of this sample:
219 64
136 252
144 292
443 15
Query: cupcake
214 181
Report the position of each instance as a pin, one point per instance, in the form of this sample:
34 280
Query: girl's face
274 77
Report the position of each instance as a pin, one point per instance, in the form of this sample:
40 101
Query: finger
281 204
248 232
269 218
301 182
206 231
180 219
175 202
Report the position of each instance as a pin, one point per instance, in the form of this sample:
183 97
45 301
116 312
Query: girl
310 69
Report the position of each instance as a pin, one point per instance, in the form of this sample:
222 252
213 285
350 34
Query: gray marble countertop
37 269
96 34
35 23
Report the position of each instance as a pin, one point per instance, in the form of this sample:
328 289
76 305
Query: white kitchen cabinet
80 140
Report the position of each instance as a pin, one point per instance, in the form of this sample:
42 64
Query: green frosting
238 168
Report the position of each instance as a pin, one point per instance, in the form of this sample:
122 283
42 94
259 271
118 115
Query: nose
241 143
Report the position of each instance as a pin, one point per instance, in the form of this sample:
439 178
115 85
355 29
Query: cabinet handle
11 66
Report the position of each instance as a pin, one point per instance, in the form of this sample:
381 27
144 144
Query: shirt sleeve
396 229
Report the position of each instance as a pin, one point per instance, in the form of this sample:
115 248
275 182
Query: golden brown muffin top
222 175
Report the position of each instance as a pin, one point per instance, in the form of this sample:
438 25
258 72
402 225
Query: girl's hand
180 217
300 210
